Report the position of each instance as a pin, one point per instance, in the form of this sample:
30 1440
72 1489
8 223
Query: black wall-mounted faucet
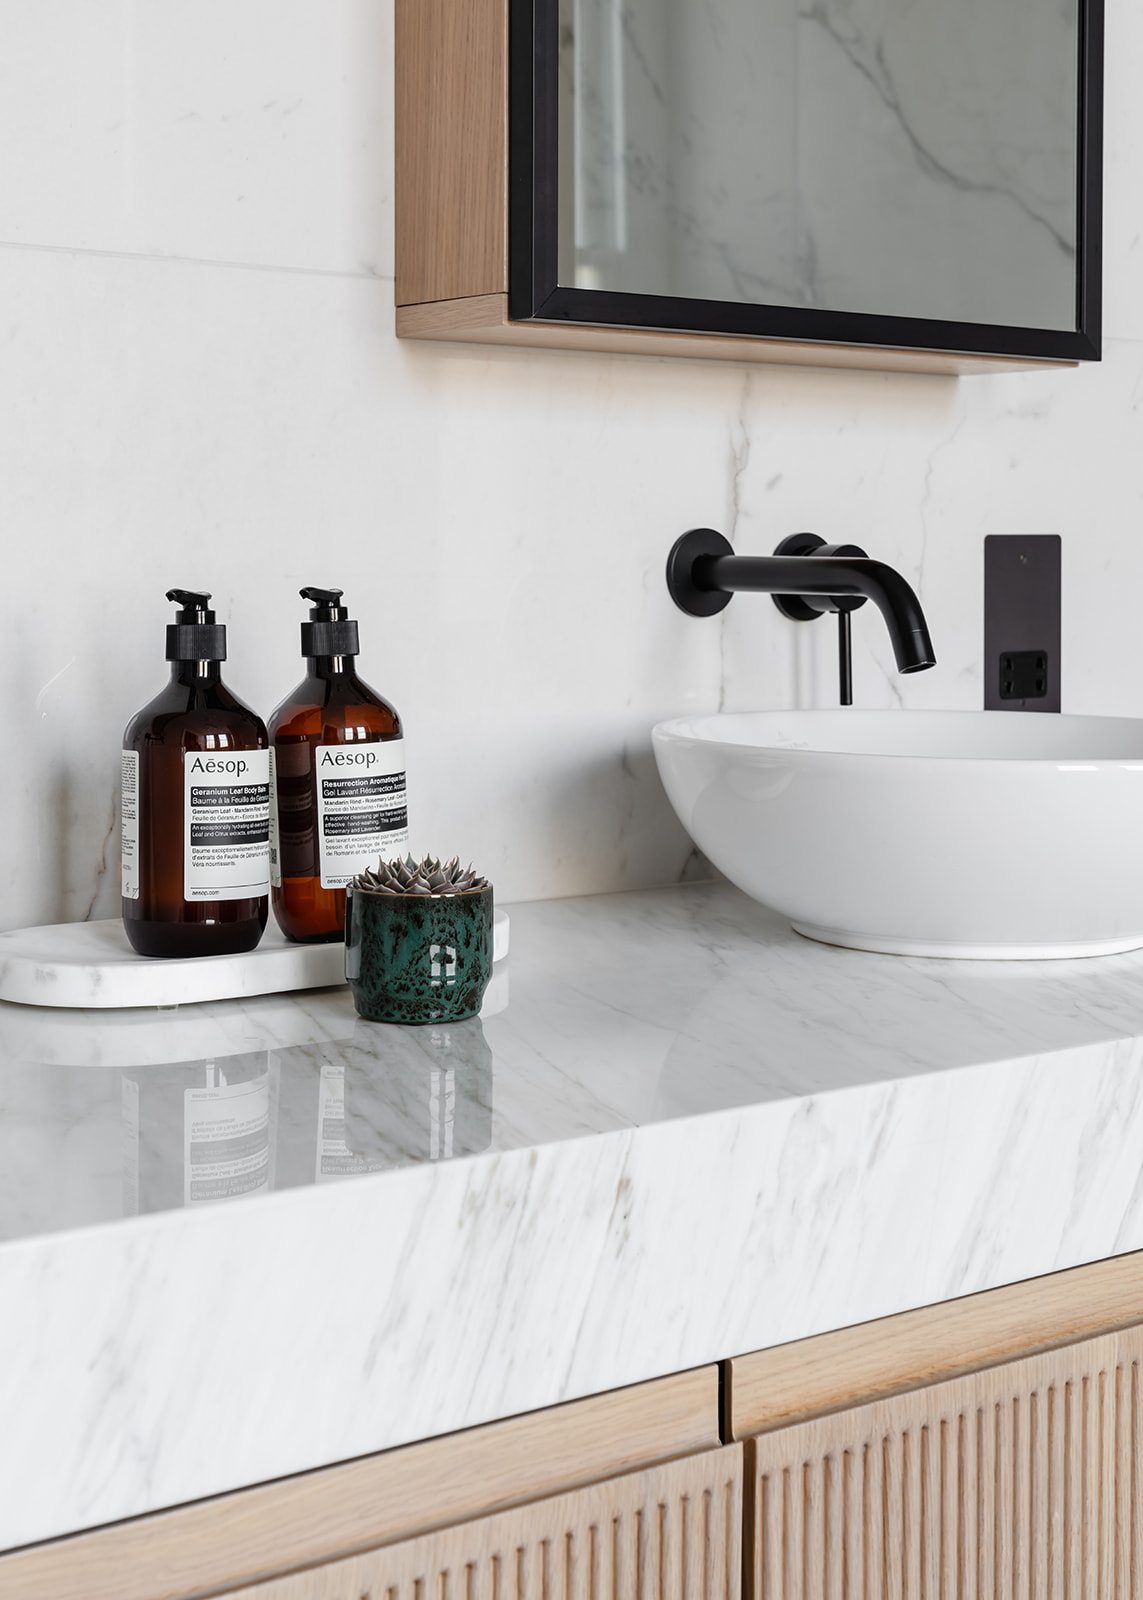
806 577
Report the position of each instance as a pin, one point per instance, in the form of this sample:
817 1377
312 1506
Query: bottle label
226 817
275 845
360 806
129 820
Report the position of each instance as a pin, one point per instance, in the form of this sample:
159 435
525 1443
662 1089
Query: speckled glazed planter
418 958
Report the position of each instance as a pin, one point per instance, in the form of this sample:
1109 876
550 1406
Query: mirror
920 173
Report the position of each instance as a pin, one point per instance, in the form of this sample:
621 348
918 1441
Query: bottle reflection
201 1132
384 1098
420 1094
196 1132
226 1135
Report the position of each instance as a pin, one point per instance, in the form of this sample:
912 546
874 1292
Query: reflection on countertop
626 1011
368 1104
83 1142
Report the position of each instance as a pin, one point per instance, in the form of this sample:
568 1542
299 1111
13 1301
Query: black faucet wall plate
1022 622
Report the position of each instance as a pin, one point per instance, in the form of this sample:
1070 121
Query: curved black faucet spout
848 576
806 577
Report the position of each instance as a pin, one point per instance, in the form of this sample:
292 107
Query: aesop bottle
338 776
196 804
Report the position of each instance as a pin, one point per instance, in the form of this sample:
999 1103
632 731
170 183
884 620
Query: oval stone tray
91 965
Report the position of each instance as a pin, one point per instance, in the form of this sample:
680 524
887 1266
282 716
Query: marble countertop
245 1239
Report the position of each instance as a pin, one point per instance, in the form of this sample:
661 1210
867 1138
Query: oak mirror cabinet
866 182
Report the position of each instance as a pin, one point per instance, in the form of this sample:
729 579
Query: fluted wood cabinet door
673 1532
1020 1482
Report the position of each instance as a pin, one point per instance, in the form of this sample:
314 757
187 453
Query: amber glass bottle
339 779
196 804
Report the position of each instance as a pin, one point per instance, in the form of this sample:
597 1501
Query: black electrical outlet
1023 674
1022 622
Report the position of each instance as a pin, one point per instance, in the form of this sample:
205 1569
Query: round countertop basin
986 834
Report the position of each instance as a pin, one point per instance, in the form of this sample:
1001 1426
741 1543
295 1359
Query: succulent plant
427 877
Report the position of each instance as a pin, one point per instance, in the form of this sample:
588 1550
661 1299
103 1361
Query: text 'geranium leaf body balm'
196 803
338 764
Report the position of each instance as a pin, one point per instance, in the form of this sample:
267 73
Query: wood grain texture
483 319
252 1533
451 150
774 1387
1017 1483
672 1533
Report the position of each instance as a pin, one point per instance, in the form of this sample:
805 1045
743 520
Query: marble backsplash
201 386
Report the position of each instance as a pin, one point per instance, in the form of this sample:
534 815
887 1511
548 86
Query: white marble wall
200 386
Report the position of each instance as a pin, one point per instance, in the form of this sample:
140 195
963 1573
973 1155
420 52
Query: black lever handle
844 659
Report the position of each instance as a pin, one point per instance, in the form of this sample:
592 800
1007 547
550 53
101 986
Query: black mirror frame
534 293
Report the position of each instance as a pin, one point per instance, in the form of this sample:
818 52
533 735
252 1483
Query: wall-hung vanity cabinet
985 1447
830 182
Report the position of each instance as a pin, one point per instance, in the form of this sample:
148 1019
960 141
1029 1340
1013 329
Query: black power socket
1023 674
1022 622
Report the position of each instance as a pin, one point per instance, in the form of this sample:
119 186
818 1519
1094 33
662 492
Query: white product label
226 1139
226 811
129 817
360 807
275 848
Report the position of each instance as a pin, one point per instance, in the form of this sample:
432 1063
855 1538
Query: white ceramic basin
946 833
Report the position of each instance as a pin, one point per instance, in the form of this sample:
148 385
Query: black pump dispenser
339 778
329 632
196 803
194 635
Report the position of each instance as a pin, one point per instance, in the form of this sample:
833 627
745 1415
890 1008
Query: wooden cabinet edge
483 319
451 147
812 1377
248 1535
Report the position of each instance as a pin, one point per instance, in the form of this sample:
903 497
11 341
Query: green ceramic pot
417 957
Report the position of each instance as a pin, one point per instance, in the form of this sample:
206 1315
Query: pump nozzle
322 597
193 603
329 632
194 635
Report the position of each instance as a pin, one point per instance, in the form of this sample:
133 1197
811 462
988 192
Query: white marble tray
91 964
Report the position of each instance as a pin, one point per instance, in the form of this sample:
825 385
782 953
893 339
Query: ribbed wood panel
1021 1482
671 1533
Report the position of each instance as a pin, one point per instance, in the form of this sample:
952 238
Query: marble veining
689 1134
